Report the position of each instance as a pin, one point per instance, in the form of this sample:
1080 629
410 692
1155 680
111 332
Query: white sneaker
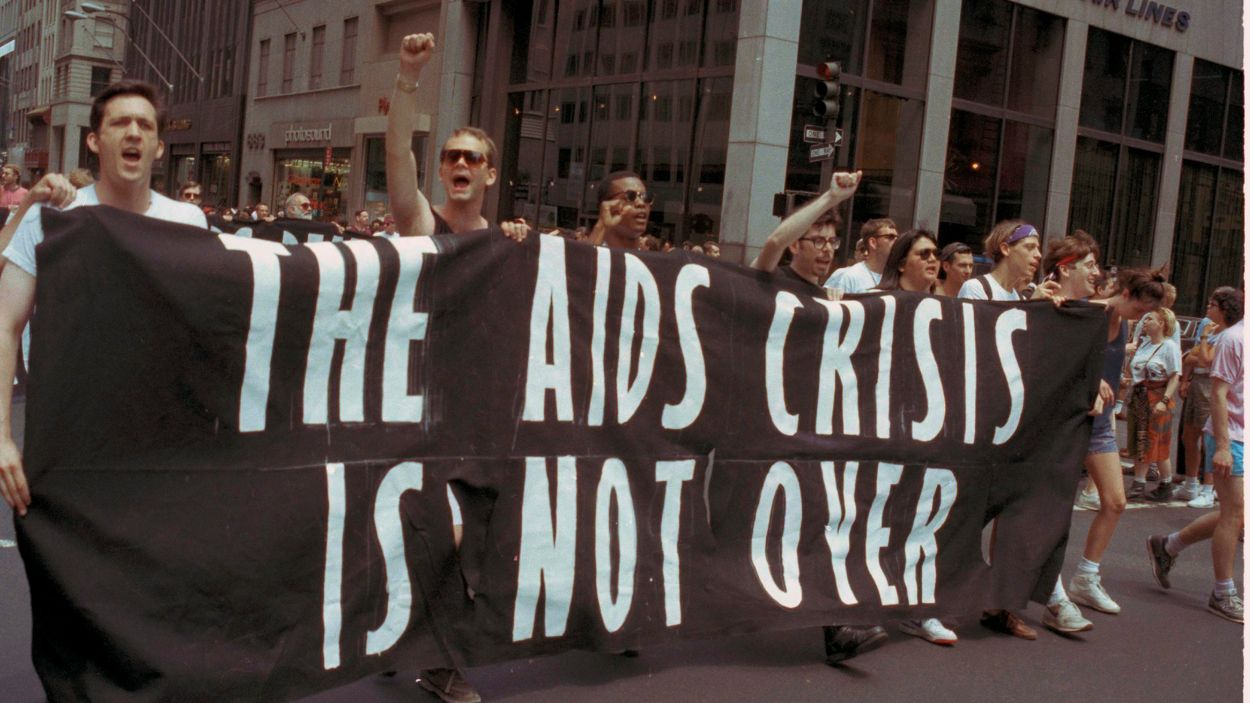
1065 617
1087 589
931 630
1187 492
1088 501
1203 500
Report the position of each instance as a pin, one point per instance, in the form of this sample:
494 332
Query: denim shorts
1102 437
1236 448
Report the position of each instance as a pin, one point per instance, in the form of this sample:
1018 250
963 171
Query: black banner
283 230
240 454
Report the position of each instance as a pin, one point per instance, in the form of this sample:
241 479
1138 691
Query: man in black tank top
810 235
466 162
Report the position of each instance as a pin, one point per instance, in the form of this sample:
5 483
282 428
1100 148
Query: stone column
1170 173
939 89
457 56
759 126
1067 118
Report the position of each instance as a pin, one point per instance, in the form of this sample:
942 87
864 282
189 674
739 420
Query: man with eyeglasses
957 266
466 162
878 236
298 207
624 211
810 234
191 192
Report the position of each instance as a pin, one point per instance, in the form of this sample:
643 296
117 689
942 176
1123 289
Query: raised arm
796 225
53 189
17 296
409 205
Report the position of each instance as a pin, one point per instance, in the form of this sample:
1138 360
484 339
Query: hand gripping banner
244 455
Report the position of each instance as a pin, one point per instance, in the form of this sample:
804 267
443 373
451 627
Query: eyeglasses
451 157
822 242
305 205
926 254
633 196
192 195
890 237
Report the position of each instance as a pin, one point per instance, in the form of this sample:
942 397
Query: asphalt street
1164 646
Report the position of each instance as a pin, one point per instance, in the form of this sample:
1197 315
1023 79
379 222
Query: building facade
8 56
200 48
321 79
1124 118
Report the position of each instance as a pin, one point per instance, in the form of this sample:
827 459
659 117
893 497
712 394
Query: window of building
317 58
1002 125
262 70
288 63
672 128
1123 115
347 72
101 76
376 200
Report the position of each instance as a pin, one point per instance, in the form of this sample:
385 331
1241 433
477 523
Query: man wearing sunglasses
810 234
298 207
878 236
624 211
191 192
466 162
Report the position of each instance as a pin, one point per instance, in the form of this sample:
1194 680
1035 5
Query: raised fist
415 53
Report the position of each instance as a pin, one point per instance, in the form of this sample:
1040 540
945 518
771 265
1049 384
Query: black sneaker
1160 561
1162 493
845 641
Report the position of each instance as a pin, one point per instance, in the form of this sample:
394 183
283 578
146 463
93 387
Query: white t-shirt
854 279
21 251
1156 362
1227 367
973 290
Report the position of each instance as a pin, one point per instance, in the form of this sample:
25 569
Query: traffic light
828 91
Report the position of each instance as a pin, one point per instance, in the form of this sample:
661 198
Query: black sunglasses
633 196
453 156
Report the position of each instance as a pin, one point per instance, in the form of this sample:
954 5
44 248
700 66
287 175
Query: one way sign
823 152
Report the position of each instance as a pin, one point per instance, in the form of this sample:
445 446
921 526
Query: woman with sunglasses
912 264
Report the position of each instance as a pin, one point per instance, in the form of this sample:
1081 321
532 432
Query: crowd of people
1145 372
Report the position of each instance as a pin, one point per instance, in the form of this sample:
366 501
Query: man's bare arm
413 215
53 189
796 225
17 297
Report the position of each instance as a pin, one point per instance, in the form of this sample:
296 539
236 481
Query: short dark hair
357 213
830 218
127 86
950 251
1231 303
606 184
189 184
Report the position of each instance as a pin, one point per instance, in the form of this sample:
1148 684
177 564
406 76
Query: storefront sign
1160 14
296 135
177 125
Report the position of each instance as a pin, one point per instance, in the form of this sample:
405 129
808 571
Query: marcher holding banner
126 122
1073 263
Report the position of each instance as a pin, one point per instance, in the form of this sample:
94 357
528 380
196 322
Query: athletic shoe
1088 501
1137 492
1152 474
1186 492
1228 607
449 685
1064 617
1160 561
1203 500
843 642
1008 623
1087 589
1162 493
931 630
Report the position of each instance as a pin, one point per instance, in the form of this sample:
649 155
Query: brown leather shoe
1008 623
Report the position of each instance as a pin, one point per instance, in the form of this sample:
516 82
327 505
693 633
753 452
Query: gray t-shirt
29 234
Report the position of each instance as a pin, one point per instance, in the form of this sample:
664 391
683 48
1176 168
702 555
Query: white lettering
262 325
883 367
332 596
638 283
614 487
603 277
682 415
878 535
547 548
389 524
970 374
550 309
330 324
781 477
787 423
927 311
835 363
923 536
1011 321
672 474
838 531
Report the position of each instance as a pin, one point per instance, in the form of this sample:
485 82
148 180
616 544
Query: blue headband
1020 232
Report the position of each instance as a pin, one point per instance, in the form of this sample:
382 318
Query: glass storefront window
1037 54
886 145
1093 190
216 177
834 31
721 44
664 130
1235 141
376 200
710 156
1208 92
981 59
1024 173
1228 232
1106 72
898 43
1150 85
1191 242
306 171
1133 228
971 168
